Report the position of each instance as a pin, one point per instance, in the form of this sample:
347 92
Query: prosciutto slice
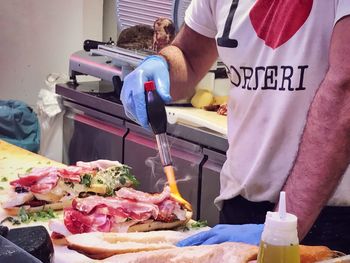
39 180
169 210
76 222
222 109
130 193
43 180
45 184
72 173
118 213
96 213
116 206
98 164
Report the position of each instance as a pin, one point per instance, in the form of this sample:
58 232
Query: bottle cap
149 85
281 220
280 228
282 205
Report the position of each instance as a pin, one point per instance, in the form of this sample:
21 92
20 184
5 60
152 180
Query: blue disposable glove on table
248 233
133 95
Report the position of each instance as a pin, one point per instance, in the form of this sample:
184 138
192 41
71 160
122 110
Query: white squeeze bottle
279 241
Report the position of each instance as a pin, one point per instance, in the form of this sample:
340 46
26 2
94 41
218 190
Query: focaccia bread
311 254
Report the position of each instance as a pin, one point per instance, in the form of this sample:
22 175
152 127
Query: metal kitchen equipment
112 63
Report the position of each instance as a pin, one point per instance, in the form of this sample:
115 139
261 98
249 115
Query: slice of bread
226 252
99 245
310 254
62 241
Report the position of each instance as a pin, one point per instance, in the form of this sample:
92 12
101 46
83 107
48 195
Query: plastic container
279 240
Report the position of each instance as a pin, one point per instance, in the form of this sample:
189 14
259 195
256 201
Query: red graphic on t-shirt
276 21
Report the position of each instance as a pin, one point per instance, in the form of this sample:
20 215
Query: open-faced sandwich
55 188
128 210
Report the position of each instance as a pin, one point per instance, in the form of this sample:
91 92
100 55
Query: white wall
37 38
109 20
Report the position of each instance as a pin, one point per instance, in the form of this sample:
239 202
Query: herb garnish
4 179
27 217
115 177
23 216
86 180
199 224
109 191
196 225
125 173
100 181
29 170
12 220
43 215
122 180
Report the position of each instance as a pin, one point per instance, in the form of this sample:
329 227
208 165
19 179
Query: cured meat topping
96 213
133 194
222 110
39 180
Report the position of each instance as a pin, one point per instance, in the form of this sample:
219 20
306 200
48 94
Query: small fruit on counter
202 98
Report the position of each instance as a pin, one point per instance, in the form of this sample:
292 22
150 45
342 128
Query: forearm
188 62
182 80
324 150
323 154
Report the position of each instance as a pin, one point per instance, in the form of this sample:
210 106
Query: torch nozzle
164 149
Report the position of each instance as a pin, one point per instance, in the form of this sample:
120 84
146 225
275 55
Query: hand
133 95
249 233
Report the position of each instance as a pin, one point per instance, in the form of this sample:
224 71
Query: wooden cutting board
198 118
15 160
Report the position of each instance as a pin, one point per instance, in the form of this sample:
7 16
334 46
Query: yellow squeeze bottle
279 241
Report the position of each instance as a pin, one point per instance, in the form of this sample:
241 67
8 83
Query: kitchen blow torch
157 119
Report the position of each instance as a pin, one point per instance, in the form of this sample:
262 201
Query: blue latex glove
133 95
249 233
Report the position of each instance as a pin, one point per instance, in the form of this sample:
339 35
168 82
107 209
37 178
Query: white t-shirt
277 57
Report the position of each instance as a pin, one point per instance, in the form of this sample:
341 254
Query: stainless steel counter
106 102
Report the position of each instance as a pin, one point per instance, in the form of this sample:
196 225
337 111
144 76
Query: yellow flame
170 174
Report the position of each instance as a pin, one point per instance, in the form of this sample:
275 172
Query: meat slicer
110 63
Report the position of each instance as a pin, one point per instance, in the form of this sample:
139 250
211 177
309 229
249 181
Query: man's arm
324 150
190 56
188 59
